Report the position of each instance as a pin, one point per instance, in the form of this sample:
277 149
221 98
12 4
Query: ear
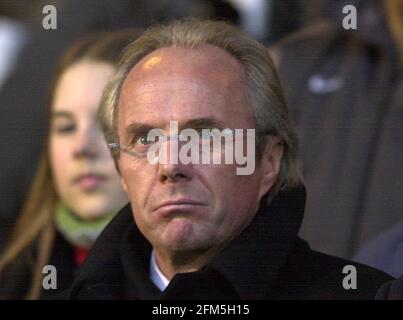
271 163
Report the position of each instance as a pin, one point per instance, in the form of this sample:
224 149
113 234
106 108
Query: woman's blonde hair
35 225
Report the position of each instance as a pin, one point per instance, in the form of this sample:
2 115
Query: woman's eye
67 128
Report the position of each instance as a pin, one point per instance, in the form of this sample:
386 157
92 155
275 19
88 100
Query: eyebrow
193 123
207 123
136 128
61 114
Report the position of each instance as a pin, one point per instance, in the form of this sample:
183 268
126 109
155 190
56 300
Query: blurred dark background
28 54
351 135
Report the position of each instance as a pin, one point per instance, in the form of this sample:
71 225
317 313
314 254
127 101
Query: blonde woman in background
76 190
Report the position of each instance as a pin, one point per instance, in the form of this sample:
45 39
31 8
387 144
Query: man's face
194 207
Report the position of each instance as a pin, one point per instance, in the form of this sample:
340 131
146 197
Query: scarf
79 232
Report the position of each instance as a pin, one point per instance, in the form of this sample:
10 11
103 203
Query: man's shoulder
322 276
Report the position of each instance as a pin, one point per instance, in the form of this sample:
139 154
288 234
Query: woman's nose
86 144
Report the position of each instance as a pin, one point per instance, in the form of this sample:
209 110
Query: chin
183 235
91 211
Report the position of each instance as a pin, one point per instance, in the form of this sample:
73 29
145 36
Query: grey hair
263 86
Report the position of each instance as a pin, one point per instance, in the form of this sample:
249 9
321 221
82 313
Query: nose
86 144
173 170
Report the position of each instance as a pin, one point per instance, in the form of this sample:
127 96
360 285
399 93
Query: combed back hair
263 90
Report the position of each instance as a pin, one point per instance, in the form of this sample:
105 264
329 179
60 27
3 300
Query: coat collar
250 264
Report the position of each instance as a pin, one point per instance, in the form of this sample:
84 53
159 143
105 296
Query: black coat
267 261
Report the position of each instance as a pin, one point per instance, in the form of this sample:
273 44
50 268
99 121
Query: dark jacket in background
344 89
392 290
385 252
15 281
267 261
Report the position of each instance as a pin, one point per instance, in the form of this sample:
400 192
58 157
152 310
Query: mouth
179 205
89 181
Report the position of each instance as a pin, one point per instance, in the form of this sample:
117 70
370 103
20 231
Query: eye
143 140
204 134
64 128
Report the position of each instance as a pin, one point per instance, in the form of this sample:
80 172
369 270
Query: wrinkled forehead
182 79
206 62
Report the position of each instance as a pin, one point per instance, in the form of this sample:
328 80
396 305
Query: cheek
137 179
230 190
239 201
219 179
59 162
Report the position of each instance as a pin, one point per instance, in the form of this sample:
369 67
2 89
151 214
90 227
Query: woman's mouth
89 181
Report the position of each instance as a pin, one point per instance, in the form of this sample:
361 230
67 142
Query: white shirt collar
156 276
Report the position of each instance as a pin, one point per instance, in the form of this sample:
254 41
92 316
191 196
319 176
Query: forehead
81 85
182 84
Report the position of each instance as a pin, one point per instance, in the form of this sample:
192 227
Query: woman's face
83 170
